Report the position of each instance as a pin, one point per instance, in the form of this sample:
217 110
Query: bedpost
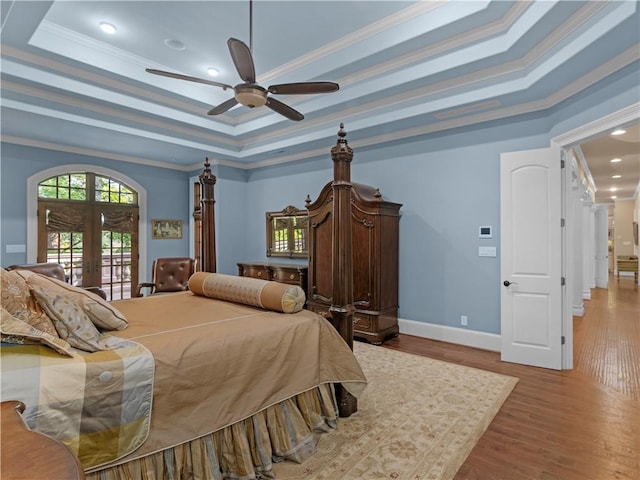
208 224
342 265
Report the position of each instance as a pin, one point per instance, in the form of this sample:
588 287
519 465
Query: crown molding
29 142
596 128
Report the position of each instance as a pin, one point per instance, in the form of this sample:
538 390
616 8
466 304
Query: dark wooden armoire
375 226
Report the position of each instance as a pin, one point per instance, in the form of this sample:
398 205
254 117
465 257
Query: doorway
88 223
541 336
568 140
94 225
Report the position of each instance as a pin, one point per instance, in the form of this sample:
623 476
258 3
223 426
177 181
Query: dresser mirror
287 233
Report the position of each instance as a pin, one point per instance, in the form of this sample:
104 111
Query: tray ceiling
405 69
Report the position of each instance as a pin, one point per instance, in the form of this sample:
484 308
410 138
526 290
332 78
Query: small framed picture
166 229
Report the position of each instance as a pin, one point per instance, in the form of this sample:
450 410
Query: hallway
607 337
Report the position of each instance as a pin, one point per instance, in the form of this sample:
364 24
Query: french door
89 224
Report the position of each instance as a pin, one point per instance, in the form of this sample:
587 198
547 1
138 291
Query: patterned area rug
418 419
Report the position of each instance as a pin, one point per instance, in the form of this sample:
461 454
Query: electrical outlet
463 320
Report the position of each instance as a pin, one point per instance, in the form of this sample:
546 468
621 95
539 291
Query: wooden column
342 264
207 202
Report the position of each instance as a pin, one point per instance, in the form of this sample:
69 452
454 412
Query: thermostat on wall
486 232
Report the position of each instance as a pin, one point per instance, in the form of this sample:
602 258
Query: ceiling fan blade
179 76
242 59
223 107
283 109
302 88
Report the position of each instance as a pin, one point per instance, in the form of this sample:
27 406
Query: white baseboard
578 310
586 294
460 336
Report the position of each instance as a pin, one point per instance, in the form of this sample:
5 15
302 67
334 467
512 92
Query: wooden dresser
375 232
292 274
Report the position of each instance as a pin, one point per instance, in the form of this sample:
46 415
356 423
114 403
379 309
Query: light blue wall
448 184
167 196
231 207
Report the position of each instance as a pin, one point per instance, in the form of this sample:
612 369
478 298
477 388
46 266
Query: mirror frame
290 215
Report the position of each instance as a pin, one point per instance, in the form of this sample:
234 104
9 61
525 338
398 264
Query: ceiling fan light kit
249 93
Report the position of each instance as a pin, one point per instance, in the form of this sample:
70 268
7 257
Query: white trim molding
444 333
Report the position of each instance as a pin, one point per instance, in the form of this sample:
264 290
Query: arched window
89 223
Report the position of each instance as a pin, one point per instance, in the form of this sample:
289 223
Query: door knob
506 283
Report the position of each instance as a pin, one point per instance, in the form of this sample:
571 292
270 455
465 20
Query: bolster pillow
249 291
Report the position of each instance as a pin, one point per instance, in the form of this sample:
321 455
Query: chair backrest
54 270
172 274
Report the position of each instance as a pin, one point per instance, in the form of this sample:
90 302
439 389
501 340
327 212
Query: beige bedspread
219 362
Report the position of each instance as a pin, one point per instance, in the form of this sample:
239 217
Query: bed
197 386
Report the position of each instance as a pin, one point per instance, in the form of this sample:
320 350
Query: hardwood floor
580 424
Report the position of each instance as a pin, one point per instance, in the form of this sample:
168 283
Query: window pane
111 191
68 187
45 191
63 193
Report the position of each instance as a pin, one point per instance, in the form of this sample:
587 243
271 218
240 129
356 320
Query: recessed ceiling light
107 28
174 44
616 176
615 160
613 189
613 197
213 71
619 131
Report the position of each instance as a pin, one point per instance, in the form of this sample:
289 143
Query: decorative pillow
72 324
249 291
14 330
16 298
102 314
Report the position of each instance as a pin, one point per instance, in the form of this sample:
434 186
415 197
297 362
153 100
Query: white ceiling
406 70
598 154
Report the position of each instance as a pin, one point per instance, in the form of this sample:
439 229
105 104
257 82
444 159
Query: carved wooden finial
206 174
342 132
342 147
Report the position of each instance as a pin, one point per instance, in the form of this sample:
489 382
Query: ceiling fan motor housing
250 95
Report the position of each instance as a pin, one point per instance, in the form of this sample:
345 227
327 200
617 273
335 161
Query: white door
531 257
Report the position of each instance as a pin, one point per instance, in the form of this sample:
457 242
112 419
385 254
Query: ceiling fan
249 93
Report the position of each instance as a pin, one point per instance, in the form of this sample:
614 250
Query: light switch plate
486 251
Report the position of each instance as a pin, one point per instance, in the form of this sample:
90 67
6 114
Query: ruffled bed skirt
245 450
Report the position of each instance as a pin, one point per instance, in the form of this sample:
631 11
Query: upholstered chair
168 275
54 270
